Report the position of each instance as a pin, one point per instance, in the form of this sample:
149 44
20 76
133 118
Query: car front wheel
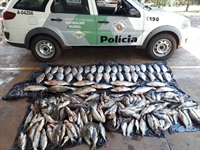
161 47
45 48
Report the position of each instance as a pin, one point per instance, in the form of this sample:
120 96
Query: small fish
40 78
165 89
156 67
124 128
130 128
56 82
100 69
69 77
164 69
94 139
103 131
123 83
83 83
43 140
151 76
167 77
74 71
132 68
108 69
137 125
67 70
90 77
84 90
93 69
114 69
22 141
87 69
80 69
143 126
59 88
102 86
98 77
113 76
54 70
120 76
159 76
119 68
79 77
35 88
126 68
137 68
134 76
155 84
106 76
28 119
141 90
59 76
150 68
127 76
47 70
61 69
183 119
143 67
142 76
49 76
122 89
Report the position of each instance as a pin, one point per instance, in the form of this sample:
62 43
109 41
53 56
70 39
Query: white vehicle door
116 26
72 21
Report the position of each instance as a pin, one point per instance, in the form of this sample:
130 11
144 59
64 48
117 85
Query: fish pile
81 103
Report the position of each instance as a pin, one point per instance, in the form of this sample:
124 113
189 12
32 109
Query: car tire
161 47
45 48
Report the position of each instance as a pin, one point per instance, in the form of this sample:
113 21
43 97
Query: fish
188 118
143 67
119 68
108 69
150 122
120 76
163 68
156 67
106 77
141 90
40 78
166 126
137 125
93 69
148 110
102 131
188 104
35 88
70 135
159 76
56 82
67 70
59 88
167 77
122 89
183 119
80 69
28 119
84 90
102 86
143 126
59 76
142 76
87 135
49 76
151 76
155 84
74 71
126 68
98 77
100 69
79 77
54 70
43 140
32 131
123 83
130 129
137 68
87 69
83 116
114 69
94 139
95 114
124 128
165 89
193 115
150 68
134 76
113 76
127 76
90 77
61 69
22 141
69 77
47 70
83 83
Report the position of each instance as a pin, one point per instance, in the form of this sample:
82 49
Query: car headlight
185 24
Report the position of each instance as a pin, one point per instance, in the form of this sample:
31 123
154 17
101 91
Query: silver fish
87 69
100 69
156 67
22 141
74 71
122 89
90 77
35 88
108 69
130 128
120 76
67 70
87 135
143 67
98 77
127 76
43 140
94 139
151 76
188 117
83 83
188 104
134 76
137 68
56 82
159 76
155 84
49 76
113 76
114 69
54 70
47 70
106 76
126 68
69 77
61 69
123 83
150 68
93 69
28 119
151 122
102 86
137 125
148 109
40 78
83 115
183 119
167 77
141 90
194 115
59 88
119 67
132 68
166 126
95 114
124 128
32 131
143 126
59 76
164 69
80 69
102 131
79 77
84 90
142 76
164 89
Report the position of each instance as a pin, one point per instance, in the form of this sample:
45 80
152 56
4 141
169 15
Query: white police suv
47 26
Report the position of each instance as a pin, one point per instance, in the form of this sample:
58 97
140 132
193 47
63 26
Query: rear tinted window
35 5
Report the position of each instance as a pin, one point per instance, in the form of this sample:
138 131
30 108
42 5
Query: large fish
35 88
141 90
134 76
123 83
84 90
49 76
93 69
114 69
165 89
155 84
83 83
106 76
108 69
55 82
100 69
113 76
79 77
127 76
74 71
102 86
122 89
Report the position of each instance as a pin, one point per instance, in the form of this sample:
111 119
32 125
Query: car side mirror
132 12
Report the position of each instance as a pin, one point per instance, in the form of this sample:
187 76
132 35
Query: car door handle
105 21
56 19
